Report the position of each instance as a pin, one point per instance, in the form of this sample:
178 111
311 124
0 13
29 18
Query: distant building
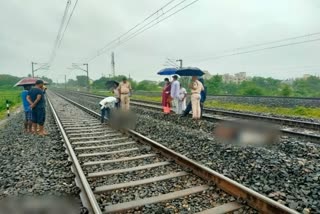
306 76
236 78
227 78
288 81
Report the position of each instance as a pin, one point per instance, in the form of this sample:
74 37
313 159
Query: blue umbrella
190 72
167 71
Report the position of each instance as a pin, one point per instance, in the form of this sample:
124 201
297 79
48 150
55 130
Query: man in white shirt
182 99
175 92
106 105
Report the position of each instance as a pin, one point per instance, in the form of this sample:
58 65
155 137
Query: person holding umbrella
37 104
174 92
196 88
27 109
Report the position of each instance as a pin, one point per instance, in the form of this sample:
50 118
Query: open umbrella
167 71
110 83
28 81
190 72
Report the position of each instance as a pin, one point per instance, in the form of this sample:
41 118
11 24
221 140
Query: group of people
174 96
34 108
121 99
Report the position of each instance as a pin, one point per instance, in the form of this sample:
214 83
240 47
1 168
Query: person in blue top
203 97
37 104
27 109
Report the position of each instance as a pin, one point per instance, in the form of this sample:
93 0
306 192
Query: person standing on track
196 88
166 96
37 104
203 95
182 99
174 93
125 90
27 109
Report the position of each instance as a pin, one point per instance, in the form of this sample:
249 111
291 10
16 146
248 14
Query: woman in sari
166 96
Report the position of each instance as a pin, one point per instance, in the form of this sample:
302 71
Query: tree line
257 86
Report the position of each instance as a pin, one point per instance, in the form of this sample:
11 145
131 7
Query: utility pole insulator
113 65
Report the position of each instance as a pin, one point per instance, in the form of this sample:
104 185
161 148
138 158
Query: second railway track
127 172
306 130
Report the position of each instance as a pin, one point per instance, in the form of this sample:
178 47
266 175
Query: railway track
123 171
305 130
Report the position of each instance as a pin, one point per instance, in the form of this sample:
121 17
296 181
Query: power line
141 29
74 7
264 43
53 53
257 50
122 35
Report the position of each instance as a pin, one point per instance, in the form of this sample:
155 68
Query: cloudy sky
200 34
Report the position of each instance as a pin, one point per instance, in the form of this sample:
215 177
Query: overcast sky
205 29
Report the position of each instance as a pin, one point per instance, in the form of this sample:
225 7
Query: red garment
166 94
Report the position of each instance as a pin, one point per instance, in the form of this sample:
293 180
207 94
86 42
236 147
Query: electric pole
87 70
32 63
77 66
113 65
65 81
180 60
44 66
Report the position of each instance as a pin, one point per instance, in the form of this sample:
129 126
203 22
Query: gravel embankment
35 166
288 172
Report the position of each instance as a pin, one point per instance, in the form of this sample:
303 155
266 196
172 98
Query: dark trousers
105 112
189 108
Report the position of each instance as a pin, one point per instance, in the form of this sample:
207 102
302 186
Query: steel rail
282 121
90 200
253 198
153 105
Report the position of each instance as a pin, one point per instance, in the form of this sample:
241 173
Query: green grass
147 98
13 95
296 111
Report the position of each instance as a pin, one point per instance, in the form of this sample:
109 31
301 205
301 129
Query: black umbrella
190 72
111 83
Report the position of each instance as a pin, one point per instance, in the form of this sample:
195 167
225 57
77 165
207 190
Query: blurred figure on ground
166 96
125 90
37 104
203 95
196 88
182 99
116 93
174 93
106 105
27 109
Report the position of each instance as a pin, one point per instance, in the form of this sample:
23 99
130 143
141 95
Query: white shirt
182 93
175 88
116 93
108 102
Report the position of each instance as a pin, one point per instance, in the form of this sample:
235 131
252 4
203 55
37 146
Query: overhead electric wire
53 53
257 50
122 35
141 29
148 27
262 44
66 26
